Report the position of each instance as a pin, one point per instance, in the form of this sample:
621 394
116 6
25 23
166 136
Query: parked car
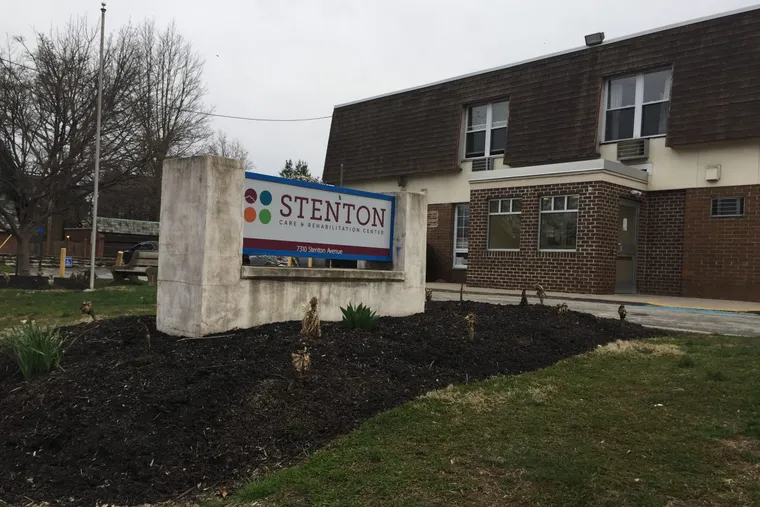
145 246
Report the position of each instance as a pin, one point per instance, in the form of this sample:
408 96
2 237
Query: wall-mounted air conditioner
633 149
483 164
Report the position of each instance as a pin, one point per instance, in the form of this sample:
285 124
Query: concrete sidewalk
716 305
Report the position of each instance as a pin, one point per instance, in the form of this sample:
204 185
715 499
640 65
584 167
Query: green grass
642 426
61 307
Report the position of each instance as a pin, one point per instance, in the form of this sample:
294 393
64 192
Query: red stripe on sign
273 244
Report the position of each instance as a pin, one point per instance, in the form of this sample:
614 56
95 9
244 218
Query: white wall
670 169
685 167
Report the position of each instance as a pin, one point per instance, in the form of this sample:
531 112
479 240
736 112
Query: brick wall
660 249
441 238
590 269
722 255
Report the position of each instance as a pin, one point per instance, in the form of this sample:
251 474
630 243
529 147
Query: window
727 207
504 224
461 229
637 106
559 222
486 130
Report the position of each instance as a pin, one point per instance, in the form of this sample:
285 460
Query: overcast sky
299 58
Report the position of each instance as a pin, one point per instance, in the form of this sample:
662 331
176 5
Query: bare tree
169 102
221 146
47 123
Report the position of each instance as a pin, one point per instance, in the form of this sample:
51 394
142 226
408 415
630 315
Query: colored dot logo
265 199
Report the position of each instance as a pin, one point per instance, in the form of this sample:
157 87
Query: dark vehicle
145 246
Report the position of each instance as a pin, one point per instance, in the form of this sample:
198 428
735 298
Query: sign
67 262
432 219
304 219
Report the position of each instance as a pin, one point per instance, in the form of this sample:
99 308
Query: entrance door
626 255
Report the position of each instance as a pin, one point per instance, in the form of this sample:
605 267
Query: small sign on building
432 219
67 262
303 219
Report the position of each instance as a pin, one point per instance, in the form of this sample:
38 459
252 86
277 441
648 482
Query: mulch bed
125 424
43 283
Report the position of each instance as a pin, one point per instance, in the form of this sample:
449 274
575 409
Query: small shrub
35 349
428 294
301 361
562 308
359 317
622 312
523 299
685 362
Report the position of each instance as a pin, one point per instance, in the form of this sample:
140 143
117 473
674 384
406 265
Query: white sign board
304 219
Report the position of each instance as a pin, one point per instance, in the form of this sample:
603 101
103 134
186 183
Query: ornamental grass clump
34 348
540 293
359 317
87 309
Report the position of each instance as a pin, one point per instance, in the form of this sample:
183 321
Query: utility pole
94 236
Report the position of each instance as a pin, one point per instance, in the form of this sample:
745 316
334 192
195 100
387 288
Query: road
699 321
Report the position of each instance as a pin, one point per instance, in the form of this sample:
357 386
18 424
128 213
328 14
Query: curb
611 300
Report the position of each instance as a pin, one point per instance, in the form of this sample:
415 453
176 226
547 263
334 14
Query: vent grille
728 207
483 164
633 149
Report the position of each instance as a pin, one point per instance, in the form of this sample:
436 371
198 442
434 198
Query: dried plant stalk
310 327
540 293
471 319
87 309
301 360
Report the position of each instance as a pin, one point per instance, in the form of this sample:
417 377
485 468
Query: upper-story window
637 106
486 129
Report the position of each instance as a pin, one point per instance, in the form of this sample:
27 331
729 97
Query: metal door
625 282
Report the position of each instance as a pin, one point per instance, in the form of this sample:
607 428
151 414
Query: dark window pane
477 116
654 119
516 203
572 202
498 141
493 206
621 92
558 231
619 124
559 203
546 203
503 232
476 144
657 86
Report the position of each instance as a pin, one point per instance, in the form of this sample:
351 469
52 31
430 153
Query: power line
18 64
246 118
232 117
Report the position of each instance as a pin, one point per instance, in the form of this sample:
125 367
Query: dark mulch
43 283
124 424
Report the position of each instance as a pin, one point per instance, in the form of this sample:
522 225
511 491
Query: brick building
623 166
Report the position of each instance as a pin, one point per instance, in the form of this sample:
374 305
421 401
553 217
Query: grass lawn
672 422
60 307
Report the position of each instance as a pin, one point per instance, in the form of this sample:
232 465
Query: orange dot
249 214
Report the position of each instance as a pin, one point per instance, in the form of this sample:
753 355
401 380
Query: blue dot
266 198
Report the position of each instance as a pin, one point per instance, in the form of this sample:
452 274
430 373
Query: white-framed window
558 228
504 224
486 129
637 106
461 231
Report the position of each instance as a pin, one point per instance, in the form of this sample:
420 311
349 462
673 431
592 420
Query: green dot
265 216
